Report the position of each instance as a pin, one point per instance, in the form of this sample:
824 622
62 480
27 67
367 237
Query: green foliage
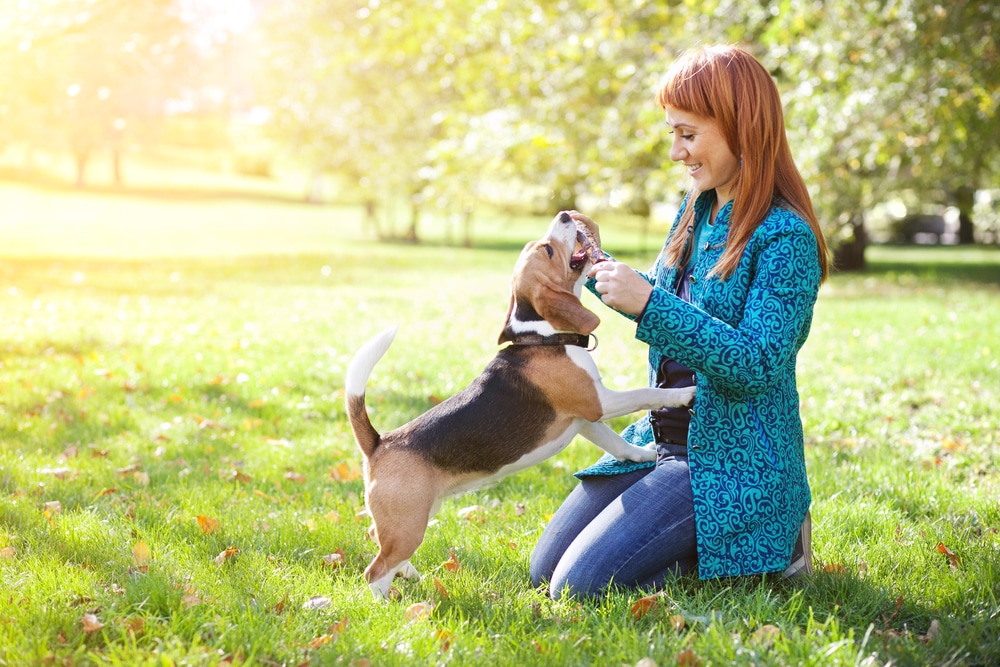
140 395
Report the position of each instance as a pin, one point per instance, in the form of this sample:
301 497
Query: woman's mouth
692 168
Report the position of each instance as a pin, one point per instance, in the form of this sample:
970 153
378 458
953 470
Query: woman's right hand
590 224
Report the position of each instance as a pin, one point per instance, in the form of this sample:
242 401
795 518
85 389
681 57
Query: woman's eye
687 136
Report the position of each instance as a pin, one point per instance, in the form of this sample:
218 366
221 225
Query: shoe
802 553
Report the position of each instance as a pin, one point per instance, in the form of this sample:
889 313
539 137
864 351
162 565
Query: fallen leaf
134 625
419 612
444 637
132 467
452 564
343 472
688 658
332 516
207 524
261 494
91 624
230 552
933 632
296 477
58 473
643 606
442 591
238 476
8 552
953 560
677 622
141 478
141 556
475 513
319 641
334 560
835 568
105 492
337 627
190 601
53 507
766 634
318 602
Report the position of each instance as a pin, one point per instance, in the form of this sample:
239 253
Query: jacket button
691 412
693 279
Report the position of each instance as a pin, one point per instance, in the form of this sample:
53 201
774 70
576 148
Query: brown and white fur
526 406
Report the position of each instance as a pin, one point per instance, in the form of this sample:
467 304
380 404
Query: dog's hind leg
400 522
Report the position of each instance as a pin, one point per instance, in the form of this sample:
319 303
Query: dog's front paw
637 454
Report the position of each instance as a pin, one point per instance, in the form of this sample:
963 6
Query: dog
530 401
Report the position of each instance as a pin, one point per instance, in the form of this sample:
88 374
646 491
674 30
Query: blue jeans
633 530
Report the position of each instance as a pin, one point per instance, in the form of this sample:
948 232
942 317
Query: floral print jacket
741 336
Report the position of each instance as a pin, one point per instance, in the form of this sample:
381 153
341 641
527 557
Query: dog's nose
565 218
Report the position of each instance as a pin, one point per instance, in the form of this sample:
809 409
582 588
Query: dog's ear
507 335
563 310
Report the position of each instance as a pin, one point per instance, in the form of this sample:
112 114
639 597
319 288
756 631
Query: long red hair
728 85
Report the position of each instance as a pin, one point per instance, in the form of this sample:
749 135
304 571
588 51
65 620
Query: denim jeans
632 530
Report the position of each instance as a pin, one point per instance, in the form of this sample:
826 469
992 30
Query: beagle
526 406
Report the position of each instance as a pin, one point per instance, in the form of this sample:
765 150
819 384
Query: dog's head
547 281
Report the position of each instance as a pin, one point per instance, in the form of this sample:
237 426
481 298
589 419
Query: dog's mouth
589 249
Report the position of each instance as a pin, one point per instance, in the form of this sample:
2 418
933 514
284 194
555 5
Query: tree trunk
965 200
850 254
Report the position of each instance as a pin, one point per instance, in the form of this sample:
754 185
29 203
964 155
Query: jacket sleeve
746 358
649 277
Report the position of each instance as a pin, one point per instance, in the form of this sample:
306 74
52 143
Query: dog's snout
565 218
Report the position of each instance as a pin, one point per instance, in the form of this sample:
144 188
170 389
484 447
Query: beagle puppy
530 401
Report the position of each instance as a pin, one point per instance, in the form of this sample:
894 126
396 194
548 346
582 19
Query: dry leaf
8 552
643 606
130 468
334 560
953 560
343 472
261 494
134 625
835 568
475 513
91 624
933 632
207 524
296 477
444 637
318 602
332 516
442 591
452 564
190 601
677 622
766 634
230 552
105 492
53 507
319 641
688 658
58 473
419 612
141 556
238 476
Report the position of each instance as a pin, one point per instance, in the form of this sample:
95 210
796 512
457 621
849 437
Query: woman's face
699 144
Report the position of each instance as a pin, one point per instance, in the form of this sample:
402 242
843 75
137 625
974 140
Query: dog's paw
637 454
680 397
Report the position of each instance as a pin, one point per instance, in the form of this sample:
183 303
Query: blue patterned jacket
741 337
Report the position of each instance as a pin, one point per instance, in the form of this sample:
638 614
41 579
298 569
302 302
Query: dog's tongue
578 259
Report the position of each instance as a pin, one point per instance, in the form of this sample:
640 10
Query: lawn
178 483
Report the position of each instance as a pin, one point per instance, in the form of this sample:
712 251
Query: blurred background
419 114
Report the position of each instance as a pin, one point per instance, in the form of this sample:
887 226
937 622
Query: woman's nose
676 153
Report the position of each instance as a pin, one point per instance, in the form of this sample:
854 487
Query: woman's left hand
621 287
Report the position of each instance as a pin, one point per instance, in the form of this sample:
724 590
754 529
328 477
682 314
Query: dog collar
579 340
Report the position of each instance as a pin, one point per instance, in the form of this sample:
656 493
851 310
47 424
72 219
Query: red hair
729 86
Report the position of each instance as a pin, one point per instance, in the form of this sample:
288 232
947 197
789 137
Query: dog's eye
548 249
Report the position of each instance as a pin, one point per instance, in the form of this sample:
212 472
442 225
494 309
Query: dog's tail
358 371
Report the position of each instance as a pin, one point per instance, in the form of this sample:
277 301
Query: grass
170 359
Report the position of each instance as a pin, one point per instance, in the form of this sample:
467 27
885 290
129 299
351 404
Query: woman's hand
621 287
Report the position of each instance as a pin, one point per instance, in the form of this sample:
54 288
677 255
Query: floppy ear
563 310
506 336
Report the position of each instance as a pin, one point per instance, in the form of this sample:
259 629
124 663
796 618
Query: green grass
169 359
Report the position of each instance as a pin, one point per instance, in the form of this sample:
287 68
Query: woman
727 306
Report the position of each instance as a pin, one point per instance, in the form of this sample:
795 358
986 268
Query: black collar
579 340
